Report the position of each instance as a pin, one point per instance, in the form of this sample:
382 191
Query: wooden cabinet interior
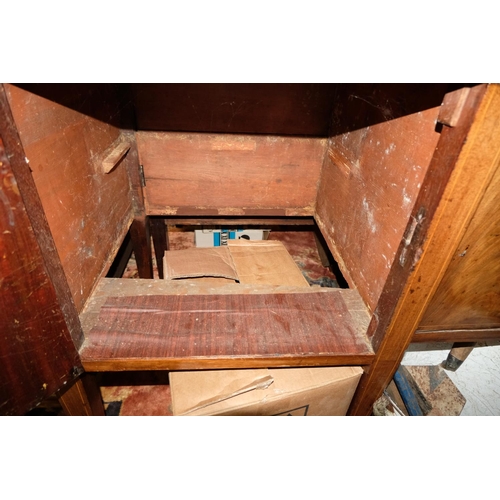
400 180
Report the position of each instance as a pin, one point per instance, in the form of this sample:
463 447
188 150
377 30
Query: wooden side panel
37 354
279 109
464 151
204 174
88 211
469 293
369 183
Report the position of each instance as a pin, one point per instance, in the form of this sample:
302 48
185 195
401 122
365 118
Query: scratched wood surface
278 109
327 328
88 211
207 174
369 183
37 354
456 180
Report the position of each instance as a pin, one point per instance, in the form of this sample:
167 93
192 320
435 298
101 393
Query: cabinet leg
457 355
160 242
83 398
141 244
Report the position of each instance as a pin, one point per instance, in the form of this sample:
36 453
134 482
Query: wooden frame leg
141 244
159 234
458 355
83 398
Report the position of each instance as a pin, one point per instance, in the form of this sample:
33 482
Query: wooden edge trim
462 335
128 364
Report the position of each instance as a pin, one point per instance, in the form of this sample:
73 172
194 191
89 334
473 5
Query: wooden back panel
278 109
376 160
88 211
222 174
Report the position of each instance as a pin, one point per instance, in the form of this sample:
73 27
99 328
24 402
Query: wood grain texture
452 107
83 398
369 183
466 335
88 211
469 293
141 244
204 174
246 335
37 354
115 153
278 109
463 150
240 221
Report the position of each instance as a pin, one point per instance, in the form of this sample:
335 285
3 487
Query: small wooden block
453 104
114 156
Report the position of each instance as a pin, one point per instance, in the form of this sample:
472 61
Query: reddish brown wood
465 335
37 354
83 398
115 155
224 175
88 211
369 183
141 244
397 314
134 174
283 109
238 221
468 296
160 241
220 330
452 107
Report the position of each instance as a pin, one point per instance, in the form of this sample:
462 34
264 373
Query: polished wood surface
206 174
83 398
88 211
468 296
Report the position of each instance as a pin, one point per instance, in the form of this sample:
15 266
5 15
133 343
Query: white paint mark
390 149
369 215
406 198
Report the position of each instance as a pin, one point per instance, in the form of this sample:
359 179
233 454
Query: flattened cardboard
293 391
200 262
248 262
265 263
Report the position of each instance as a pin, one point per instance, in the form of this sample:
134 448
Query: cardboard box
281 391
284 391
242 261
206 237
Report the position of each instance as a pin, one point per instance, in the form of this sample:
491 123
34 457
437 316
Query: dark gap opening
122 258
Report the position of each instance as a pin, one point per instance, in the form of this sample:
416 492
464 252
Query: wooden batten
369 183
230 175
88 211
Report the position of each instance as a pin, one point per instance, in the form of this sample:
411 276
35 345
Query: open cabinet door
39 328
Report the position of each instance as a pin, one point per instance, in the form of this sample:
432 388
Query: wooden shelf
153 324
